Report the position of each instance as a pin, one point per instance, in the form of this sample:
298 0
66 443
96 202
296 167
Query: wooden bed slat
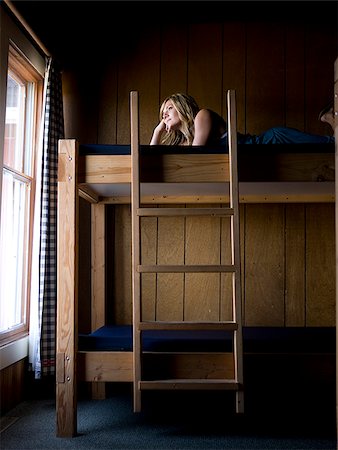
197 365
175 168
192 193
188 325
170 168
185 268
106 169
154 212
186 384
105 366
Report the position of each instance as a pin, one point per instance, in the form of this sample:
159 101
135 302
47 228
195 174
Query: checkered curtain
53 130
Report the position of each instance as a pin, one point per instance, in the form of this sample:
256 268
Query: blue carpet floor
168 421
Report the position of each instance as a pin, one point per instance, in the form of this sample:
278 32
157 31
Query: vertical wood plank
320 53
67 288
202 291
107 113
174 60
148 256
139 70
265 84
295 265
170 286
122 266
80 105
264 265
234 54
226 278
320 265
294 76
12 383
205 72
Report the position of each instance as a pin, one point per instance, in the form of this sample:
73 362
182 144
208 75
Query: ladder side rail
136 280
234 198
235 240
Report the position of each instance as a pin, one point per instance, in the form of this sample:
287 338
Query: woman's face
171 117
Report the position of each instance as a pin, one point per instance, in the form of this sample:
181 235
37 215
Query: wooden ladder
235 325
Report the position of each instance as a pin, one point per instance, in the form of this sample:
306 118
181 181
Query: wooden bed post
98 281
135 202
336 213
67 290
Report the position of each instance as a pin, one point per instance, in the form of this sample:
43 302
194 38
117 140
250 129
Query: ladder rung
189 384
159 212
152 325
185 268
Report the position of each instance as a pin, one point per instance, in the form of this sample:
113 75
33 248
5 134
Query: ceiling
83 27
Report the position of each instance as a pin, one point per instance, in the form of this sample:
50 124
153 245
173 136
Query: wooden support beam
98 297
98 265
136 257
67 291
336 211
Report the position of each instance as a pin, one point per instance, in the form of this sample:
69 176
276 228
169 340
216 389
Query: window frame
24 71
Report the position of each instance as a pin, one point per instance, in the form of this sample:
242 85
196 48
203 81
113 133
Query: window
23 106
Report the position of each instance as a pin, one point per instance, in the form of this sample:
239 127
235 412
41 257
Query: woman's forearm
157 134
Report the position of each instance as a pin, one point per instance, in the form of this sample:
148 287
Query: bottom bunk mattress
255 340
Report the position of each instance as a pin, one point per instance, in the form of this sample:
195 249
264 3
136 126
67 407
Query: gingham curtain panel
52 132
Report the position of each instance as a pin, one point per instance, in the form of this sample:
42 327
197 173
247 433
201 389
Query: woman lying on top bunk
182 122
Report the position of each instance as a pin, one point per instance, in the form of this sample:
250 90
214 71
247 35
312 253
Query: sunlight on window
14 129
13 258
17 190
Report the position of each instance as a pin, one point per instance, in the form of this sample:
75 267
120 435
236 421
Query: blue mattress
92 149
119 338
255 340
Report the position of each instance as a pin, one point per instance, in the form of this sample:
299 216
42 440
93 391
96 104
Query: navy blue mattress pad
255 340
105 149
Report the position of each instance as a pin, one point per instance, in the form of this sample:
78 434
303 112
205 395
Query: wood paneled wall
288 266
12 383
282 71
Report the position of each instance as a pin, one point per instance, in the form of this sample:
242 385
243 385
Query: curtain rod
27 27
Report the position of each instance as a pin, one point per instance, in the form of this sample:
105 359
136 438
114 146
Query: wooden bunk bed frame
105 179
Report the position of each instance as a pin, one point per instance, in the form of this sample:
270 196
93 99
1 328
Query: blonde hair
187 109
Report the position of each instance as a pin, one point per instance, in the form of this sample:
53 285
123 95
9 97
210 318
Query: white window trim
13 352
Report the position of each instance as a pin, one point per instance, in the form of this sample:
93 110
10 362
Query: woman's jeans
284 135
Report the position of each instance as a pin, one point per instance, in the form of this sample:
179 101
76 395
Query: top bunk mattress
105 149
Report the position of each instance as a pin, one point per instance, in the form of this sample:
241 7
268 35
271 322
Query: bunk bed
103 175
